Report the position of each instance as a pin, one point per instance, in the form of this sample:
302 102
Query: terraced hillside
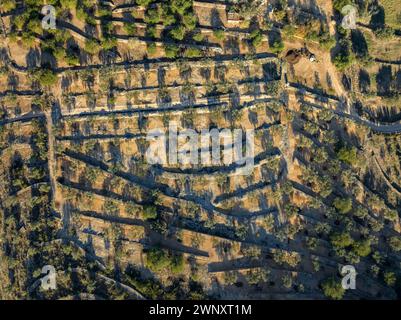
77 104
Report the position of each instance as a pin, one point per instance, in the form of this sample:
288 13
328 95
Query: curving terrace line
240 192
123 38
395 187
214 102
378 127
164 242
26 93
216 170
24 118
150 184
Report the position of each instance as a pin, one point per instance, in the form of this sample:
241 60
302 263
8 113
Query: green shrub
343 205
8 5
278 47
109 43
180 6
167 17
390 278
143 3
130 28
149 212
159 260
151 31
153 15
341 240
255 276
152 48
340 4
333 289
177 264
72 59
192 53
68 4
171 51
45 77
362 248
198 37
348 155
28 39
395 243
219 34
390 214
256 38
189 21
342 61
178 33
59 53
92 46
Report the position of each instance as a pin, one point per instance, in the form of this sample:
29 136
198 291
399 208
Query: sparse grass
393 12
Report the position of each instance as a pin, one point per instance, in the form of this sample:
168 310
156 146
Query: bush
59 53
171 51
326 41
153 15
180 6
72 59
343 205
109 43
28 39
45 77
340 4
152 48
219 34
8 5
230 277
177 264
395 243
390 278
256 38
278 47
241 231
159 259
189 21
167 17
255 276
291 210
198 37
192 53
347 155
130 28
68 4
333 289
341 240
151 32
149 212
178 33
251 251
92 46
362 248
361 212
143 3
342 61
390 215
